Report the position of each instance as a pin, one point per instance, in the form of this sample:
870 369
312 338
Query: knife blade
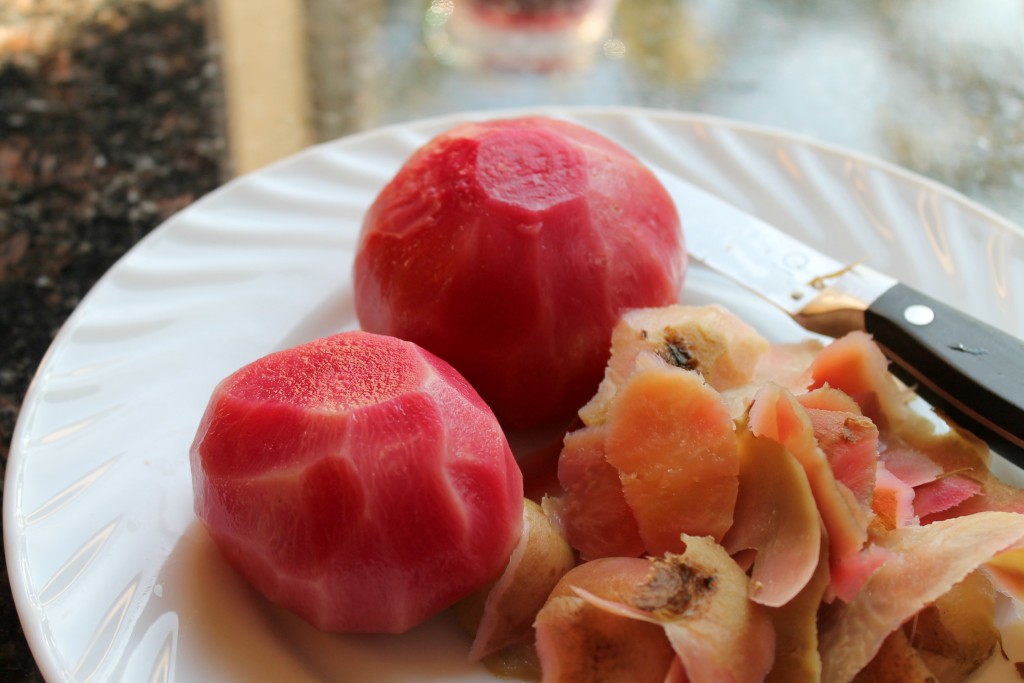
966 369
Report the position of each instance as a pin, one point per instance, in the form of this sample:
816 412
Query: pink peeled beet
510 248
357 480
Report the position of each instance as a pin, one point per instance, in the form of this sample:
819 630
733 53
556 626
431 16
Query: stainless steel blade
791 275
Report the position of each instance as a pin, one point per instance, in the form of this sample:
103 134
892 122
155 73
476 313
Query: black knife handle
968 370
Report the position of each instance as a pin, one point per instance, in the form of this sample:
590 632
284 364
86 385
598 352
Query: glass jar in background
517 35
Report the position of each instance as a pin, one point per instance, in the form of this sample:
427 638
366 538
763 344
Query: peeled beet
510 248
358 480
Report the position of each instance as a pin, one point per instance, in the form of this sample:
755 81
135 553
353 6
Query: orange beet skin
510 248
358 480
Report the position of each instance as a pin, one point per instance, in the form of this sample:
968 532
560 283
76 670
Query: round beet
358 480
509 248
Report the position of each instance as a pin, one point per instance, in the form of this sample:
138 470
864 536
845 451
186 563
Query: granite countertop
106 128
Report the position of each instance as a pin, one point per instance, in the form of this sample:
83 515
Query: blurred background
114 114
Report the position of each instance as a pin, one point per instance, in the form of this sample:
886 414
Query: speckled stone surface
104 132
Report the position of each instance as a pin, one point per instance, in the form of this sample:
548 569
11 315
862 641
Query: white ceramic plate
113 577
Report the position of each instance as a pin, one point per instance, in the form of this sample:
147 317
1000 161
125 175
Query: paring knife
966 369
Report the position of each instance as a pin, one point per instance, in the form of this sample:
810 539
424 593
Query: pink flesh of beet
510 248
357 480
944 494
